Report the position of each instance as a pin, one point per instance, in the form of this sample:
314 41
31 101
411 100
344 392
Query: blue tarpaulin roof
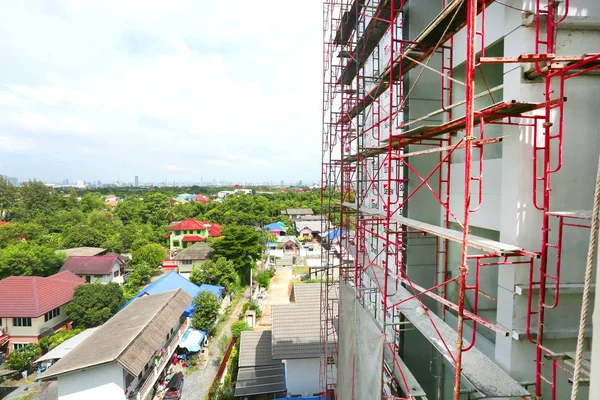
334 234
192 339
172 281
275 226
272 244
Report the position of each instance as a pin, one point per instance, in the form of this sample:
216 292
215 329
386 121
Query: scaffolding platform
448 22
482 373
492 113
476 242
348 22
579 214
365 45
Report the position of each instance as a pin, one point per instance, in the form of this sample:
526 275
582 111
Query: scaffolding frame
367 148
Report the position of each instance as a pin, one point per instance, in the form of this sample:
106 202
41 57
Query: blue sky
174 90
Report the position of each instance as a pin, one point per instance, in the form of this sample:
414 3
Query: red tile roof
168 235
214 230
33 296
4 223
202 198
91 265
188 224
193 238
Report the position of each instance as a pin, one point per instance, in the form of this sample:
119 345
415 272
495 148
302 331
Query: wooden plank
477 242
482 373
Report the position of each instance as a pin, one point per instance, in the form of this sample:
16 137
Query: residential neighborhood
174 322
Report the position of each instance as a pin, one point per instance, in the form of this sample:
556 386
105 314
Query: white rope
589 269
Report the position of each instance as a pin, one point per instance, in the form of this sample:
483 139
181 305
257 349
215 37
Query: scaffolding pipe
469 125
589 269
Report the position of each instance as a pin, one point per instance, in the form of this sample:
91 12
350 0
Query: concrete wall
97 383
302 376
36 325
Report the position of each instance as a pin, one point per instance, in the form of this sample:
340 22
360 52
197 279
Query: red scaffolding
367 148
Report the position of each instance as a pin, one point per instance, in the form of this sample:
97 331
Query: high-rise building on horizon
137 181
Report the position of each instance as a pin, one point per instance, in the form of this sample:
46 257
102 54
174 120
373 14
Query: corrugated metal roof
131 337
255 349
260 380
91 265
82 251
300 211
314 226
296 331
33 296
199 251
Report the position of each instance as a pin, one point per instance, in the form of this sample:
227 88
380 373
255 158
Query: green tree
28 259
90 202
151 254
236 330
241 245
218 271
22 359
94 304
49 342
83 235
8 194
206 311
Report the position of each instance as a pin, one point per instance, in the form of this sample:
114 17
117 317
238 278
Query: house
127 355
184 233
202 198
97 269
259 374
308 229
295 213
31 306
291 245
192 257
172 281
276 228
285 360
224 193
112 200
83 251
64 348
244 191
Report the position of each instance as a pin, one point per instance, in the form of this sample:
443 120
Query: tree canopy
206 311
241 245
94 304
217 271
28 259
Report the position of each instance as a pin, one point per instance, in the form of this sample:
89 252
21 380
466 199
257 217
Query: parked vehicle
175 387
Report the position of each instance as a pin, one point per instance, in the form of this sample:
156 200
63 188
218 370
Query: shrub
250 305
237 328
21 359
264 279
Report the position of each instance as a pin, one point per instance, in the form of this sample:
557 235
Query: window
177 233
51 314
116 274
21 321
17 346
187 262
176 243
0 321
88 279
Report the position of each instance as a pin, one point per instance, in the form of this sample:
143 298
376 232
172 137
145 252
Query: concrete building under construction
460 150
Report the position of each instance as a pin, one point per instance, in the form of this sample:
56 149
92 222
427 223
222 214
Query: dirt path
278 293
197 383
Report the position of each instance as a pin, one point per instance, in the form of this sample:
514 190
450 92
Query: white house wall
302 376
97 383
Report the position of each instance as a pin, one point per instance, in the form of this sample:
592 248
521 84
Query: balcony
147 384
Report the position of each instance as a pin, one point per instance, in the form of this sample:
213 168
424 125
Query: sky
168 90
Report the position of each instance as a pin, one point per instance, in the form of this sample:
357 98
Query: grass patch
311 281
223 317
299 270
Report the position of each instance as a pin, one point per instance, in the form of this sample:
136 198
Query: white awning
65 347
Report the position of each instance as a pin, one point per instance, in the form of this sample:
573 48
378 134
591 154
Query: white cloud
221 84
